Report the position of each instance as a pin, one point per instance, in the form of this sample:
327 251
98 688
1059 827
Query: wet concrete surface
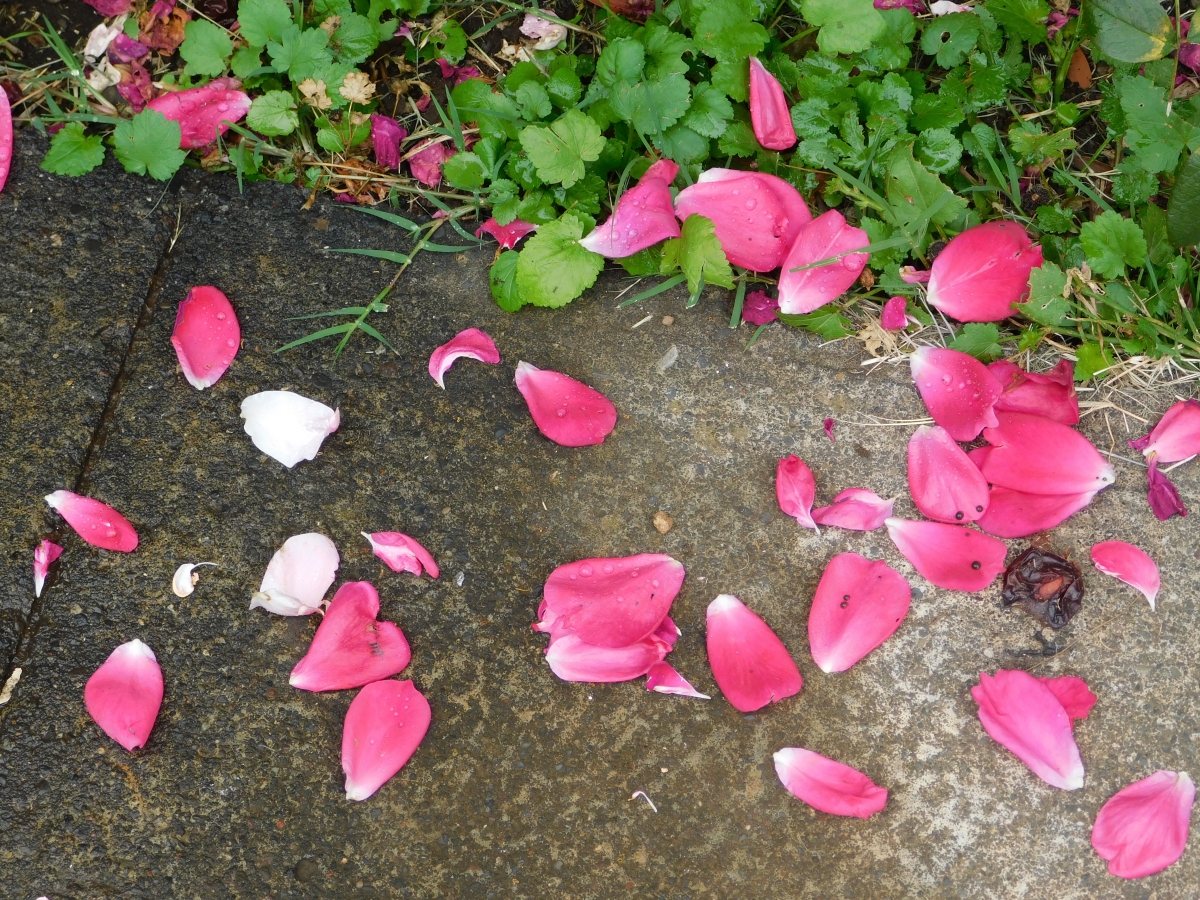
522 786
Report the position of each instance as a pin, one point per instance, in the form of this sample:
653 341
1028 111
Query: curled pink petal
286 426
124 695
912 275
6 138
549 34
827 785
386 722
951 556
97 523
1039 456
1189 55
1129 564
507 235
957 389
749 219
566 411
796 489
894 317
769 113
1021 713
1051 394
663 679
298 576
1018 514
44 556
203 114
795 210
945 484
983 271
124 49
471 343
206 337
402 553
1073 693
109 8
859 604
856 509
828 424
1163 496
572 659
1143 828
758 308
386 135
351 647
749 662
643 216
1176 437
825 236
426 161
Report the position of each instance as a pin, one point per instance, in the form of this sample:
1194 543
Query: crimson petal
957 389
1143 828
6 138
1040 456
825 236
385 724
795 488
951 556
124 695
97 523
663 678
402 553
748 217
566 411
573 659
1129 564
1176 437
508 235
945 484
1163 496
751 665
856 509
983 271
859 604
1073 693
827 785
206 337
1017 514
44 556
643 216
769 113
1051 394
203 113
386 135
471 343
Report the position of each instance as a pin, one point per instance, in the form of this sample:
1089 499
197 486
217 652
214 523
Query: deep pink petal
983 272
663 679
749 219
945 484
298 576
1022 713
859 604
759 308
386 135
572 659
795 210
1188 55
44 556
856 509
1129 564
507 235
402 553
643 216
1143 828
124 695
385 724
426 161
749 662
203 113
951 556
6 138
1039 456
1163 496
124 49
825 236
894 317
796 489
1017 514
97 523
667 631
351 647
769 113
957 389
827 785
1073 693
566 411
1050 394
1176 437
828 424
206 337
472 344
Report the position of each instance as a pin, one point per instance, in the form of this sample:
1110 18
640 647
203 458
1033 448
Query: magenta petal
351 647
1018 514
749 218
1176 437
643 216
386 135
472 343
859 604
1073 693
566 411
769 113
749 662
957 389
203 114
1163 495
758 308
795 210
827 785
1143 828
893 317
124 49
402 553
97 523
572 659
1021 713
827 425
1051 394
123 696
508 235
110 7
796 489
298 576
44 556
1039 456
856 509
983 271
825 236
945 484
6 138
1129 564
385 724
206 337
426 162
663 679
951 556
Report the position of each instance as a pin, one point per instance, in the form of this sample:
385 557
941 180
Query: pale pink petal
827 785
983 271
1073 693
6 138
402 553
549 34
566 411
298 576
749 662
286 426
124 695
893 317
795 210
856 509
859 604
1176 437
1163 496
203 113
957 389
663 679
472 344
1021 713
508 235
386 135
749 219
351 647
951 556
643 216
572 659
945 7
426 161
945 484
385 724
769 113
1018 514
1039 456
1129 564
825 236
97 523
796 489
44 556
912 275
1050 394
1143 828
206 337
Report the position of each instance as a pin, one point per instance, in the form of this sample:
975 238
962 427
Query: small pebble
668 320
663 522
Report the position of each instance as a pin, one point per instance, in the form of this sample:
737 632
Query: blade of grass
388 255
317 335
739 300
655 291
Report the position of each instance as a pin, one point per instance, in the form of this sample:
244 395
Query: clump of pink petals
953 557
386 135
1073 693
298 576
426 161
825 236
456 75
643 216
286 426
751 665
748 216
507 235
573 659
97 523
769 113
1036 455
471 343
894 316
1163 496
916 7
402 553
206 336
856 509
44 556
385 724
1017 514
663 679
759 308
945 484
859 604
6 138
983 271
566 411
796 489
124 695
203 114
1129 564
1050 394
1176 437
957 389
827 785
1143 828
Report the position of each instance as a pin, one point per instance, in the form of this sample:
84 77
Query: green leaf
263 21
621 60
564 88
950 38
939 150
300 53
738 140
148 144
453 41
1132 185
1183 209
847 26
651 106
72 152
334 139
533 101
826 321
683 145
206 48
560 151
496 114
913 191
698 254
553 269
1129 31
1091 358
727 32
465 171
1054 219
1032 147
273 114
355 39
1113 243
1046 304
502 279
980 340
710 111
644 262
1156 138
1024 20
245 60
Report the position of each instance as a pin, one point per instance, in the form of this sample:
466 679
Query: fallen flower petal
795 210
471 343
758 308
44 556
858 605
893 317
1073 693
566 411
109 8
286 426
1163 496
402 553
951 556
1018 514
508 235
856 509
183 582
827 425
549 34
203 114
6 138
1051 394
913 275
796 489
642 217
663 679
1176 437
983 271
749 219
386 722
751 665
456 75
206 336
124 695
827 785
957 389
99 38
97 523
944 483
125 49
945 7
386 135
825 236
1129 564
769 113
573 659
1039 456
1143 828
1021 713
298 576
426 161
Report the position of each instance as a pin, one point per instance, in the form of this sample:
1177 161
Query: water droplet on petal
585 571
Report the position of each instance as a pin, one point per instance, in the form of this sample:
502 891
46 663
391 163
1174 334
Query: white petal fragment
286 426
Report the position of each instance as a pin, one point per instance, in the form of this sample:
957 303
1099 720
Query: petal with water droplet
203 113
298 576
642 217
945 484
507 235
748 217
1018 514
769 113
957 389
1129 564
953 557
856 509
566 411
795 210
44 556
1039 456
751 665
826 236
983 271
386 722
124 695
471 343
859 604
1143 828
402 553
795 488
286 426
827 785
663 679
97 523
206 336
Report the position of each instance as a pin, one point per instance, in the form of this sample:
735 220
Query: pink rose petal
749 662
206 337
386 135
859 604
44 556
426 161
828 424
386 722
1176 437
1129 564
124 49
1021 713
893 317
1018 514
203 113
796 489
759 308
298 576
945 484
402 553
912 275
827 785
566 411
548 34
507 235
769 113
957 389
1189 55
1163 496
1143 828
825 236
456 75
471 343
124 695
1039 456
795 210
663 679
856 509
97 523
643 216
6 138
951 556
1073 693
1051 394
983 271
573 659
108 8
748 216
